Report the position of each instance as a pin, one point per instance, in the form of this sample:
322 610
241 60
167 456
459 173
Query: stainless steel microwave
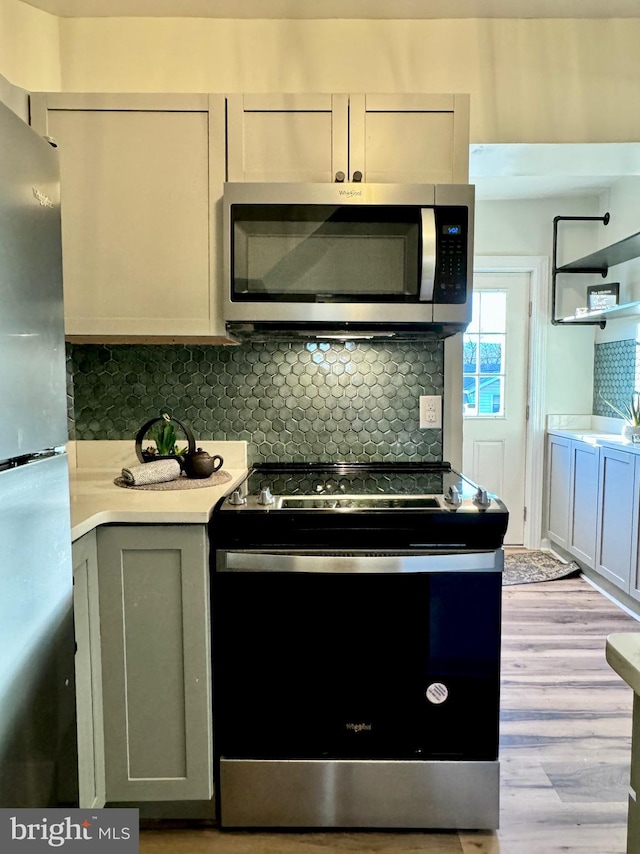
347 260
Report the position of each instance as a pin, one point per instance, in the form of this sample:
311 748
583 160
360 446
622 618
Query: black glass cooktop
300 482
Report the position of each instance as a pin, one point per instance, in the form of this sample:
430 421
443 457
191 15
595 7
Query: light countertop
594 429
96 500
596 437
587 435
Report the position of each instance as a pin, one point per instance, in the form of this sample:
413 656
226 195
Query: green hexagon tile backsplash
616 375
289 401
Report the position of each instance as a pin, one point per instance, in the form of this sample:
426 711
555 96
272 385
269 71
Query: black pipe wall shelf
582 265
596 262
630 309
617 253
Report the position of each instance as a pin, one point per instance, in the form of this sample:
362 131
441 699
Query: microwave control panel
451 255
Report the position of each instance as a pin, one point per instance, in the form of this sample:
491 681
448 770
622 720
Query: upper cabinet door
284 137
385 138
141 177
409 138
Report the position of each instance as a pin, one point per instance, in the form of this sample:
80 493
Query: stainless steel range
356 648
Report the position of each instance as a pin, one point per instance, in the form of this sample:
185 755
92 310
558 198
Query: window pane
470 354
469 396
493 311
491 354
484 353
474 326
490 396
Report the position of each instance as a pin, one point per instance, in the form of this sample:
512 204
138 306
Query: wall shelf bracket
575 267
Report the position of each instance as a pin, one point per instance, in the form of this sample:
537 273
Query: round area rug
529 567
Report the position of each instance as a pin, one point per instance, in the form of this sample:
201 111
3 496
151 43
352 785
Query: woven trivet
182 482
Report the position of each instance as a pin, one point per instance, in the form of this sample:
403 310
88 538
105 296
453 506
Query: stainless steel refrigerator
37 727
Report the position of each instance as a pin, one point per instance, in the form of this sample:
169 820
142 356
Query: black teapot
201 464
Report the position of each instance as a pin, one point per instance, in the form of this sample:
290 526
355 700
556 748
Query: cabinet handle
357 177
339 177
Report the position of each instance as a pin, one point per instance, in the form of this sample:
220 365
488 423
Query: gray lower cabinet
153 697
91 777
558 473
593 509
572 483
583 511
617 533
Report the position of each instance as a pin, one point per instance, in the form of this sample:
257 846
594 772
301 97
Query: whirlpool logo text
359 727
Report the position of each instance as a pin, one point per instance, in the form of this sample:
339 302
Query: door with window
496 346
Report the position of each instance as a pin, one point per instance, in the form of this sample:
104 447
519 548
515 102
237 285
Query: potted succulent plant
631 415
162 431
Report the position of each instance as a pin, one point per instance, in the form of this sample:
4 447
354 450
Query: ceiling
313 9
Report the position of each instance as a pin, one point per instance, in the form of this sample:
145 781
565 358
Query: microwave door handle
428 266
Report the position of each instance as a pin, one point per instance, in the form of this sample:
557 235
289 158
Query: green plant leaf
630 412
164 436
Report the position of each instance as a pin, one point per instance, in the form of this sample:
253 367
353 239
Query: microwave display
343 253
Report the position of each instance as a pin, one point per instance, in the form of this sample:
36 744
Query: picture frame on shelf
600 297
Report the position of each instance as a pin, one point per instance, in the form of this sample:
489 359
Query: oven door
356 656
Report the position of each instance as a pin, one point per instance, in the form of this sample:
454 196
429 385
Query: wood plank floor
565 745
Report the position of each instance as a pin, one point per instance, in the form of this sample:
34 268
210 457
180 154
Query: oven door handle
290 561
428 264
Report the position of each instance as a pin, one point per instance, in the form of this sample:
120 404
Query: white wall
526 228
535 81
29 47
622 203
557 80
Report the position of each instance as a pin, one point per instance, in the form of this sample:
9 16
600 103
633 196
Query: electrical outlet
430 412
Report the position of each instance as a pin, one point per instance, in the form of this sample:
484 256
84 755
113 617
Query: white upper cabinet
287 137
386 138
407 139
141 180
